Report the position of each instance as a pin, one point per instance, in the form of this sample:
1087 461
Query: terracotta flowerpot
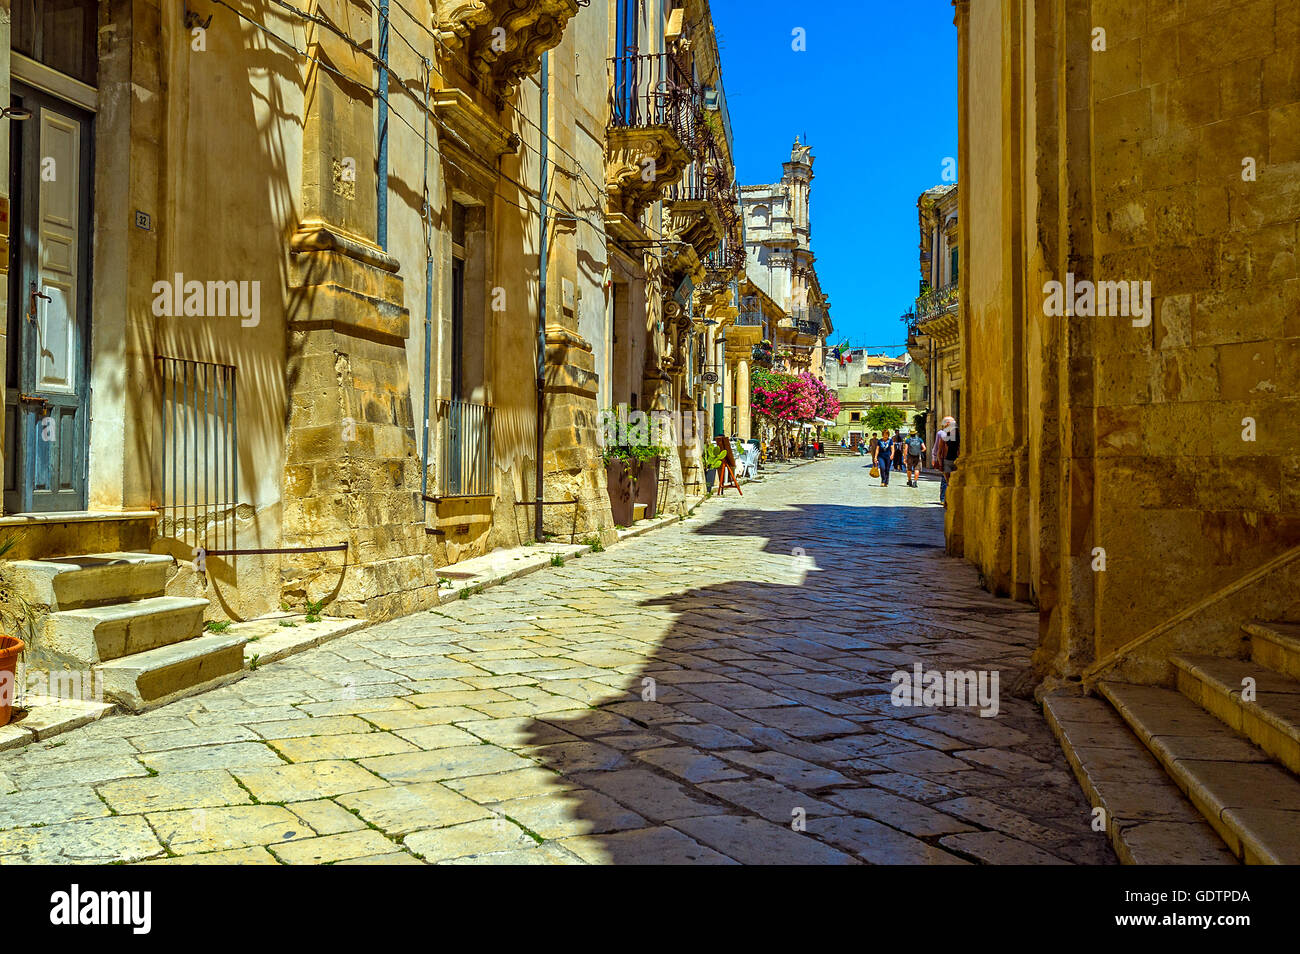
620 492
10 647
647 486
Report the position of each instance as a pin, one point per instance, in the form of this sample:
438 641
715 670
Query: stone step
1271 719
1147 818
100 633
1276 645
143 680
1252 803
95 579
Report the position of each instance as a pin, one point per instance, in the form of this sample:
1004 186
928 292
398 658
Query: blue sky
875 93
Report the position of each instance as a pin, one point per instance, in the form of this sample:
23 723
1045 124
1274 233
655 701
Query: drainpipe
381 209
428 291
541 298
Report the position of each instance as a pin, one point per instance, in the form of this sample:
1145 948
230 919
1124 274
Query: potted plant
645 485
618 478
11 647
631 454
712 457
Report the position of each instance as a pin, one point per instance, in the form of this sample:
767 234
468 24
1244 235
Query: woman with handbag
883 457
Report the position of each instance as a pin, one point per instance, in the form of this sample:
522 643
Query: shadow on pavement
767 703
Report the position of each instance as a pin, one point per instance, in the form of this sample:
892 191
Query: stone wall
1165 444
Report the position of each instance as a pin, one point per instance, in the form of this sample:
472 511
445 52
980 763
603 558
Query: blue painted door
47 367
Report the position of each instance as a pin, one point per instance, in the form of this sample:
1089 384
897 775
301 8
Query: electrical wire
396 113
656 236
401 84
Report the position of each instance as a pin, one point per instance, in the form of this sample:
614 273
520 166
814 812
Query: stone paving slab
717 692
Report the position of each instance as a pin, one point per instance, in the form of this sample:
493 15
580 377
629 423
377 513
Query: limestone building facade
1130 465
781 264
934 321
314 302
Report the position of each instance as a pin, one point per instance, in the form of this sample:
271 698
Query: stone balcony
651 127
695 222
503 39
748 328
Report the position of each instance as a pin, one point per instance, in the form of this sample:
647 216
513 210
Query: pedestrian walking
947 447
884 456
898 452
915 454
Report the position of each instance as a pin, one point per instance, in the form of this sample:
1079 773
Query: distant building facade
934 322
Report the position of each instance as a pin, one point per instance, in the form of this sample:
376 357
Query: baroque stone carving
695 222
456 19
504 39
641 164
678 326
656 336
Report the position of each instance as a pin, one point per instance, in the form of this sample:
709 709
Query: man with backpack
915 454
947 446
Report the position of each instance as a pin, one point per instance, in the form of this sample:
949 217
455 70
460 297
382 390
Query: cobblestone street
689 696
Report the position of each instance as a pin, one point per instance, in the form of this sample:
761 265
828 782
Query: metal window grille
198 473
465 455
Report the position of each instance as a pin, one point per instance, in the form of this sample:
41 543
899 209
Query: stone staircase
1208 772
107 615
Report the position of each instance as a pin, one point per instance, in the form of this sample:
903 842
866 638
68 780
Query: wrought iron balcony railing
650 89
726 260
750 313
710 176
935 301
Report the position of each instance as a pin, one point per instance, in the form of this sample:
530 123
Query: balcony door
627 27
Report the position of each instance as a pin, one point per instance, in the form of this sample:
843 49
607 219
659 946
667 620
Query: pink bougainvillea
793 399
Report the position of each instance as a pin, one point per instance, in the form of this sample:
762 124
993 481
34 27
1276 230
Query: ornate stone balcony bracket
641 164
696 222
504 39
